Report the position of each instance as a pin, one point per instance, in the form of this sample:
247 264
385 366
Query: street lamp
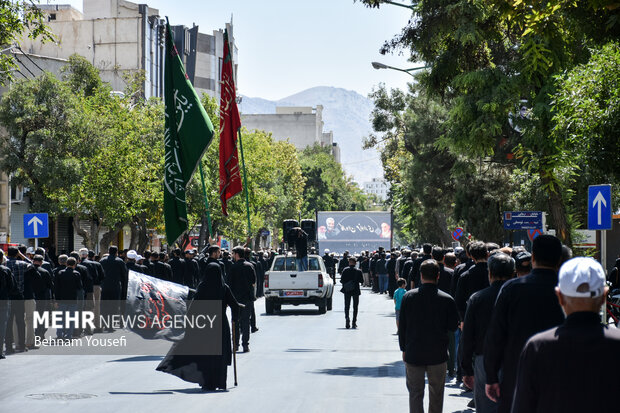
400 5
378 66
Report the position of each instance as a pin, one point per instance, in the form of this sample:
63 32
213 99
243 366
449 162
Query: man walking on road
242 280
525 306
427 315
351 279
567 369
477 318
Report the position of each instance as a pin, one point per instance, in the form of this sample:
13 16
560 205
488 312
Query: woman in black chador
208 371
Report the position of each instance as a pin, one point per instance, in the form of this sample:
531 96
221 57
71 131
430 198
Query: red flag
230 123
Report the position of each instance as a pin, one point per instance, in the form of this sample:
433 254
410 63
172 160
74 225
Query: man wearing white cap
570 368
132 265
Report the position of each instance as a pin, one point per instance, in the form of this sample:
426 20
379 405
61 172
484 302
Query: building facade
300 125
378 187
118 37
202 55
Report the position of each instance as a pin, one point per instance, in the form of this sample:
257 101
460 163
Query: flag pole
245 185
204 193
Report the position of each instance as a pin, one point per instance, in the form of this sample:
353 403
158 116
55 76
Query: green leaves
16 19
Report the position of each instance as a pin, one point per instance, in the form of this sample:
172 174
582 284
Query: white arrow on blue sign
36 226
599 207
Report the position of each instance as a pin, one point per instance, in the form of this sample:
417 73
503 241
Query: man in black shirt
330 265
114 285
192 269
413 276
352 277
474 279
43 291
241 281
391 271
67 285
475 326
427 315
7 284
177 266
96 272
301 249
567 369
525 306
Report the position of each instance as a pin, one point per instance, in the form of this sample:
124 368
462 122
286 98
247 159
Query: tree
15 18
46 137
327 186
274 178
586 116
496 72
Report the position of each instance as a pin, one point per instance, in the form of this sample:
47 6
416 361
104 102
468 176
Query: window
285 264
313 264
52 16
17 193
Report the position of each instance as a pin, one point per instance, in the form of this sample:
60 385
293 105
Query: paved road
299 362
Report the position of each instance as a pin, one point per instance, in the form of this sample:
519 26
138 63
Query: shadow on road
284 313
139 393
137 358
395 369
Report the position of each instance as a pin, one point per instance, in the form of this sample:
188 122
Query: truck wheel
269 306
322 306
329 304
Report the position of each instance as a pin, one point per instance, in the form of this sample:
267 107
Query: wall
110 36
300 130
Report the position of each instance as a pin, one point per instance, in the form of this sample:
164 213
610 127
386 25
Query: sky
286 46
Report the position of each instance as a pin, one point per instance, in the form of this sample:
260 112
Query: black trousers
253 315
242 325
42 306
347 304
17 313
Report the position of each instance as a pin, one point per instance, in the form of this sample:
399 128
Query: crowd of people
519 331
30 279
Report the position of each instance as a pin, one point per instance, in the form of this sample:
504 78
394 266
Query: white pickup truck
285 284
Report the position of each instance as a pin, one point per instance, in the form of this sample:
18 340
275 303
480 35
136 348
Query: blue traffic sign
599 207
36 226
524 220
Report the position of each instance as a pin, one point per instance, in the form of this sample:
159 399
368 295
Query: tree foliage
327 186
98 156
494 65
17 17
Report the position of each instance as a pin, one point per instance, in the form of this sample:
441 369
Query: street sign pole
604 250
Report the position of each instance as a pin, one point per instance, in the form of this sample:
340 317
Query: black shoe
347 325
10 350
2 356
354 325
209 388
472 403
21 349
98 330
32 347
246 349
254 329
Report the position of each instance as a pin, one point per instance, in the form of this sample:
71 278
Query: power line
362 161
24 66
28 57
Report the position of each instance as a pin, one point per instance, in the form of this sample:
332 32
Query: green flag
188 133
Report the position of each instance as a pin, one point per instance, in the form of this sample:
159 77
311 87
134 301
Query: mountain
346 113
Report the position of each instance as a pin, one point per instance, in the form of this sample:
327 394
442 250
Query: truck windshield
289 264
